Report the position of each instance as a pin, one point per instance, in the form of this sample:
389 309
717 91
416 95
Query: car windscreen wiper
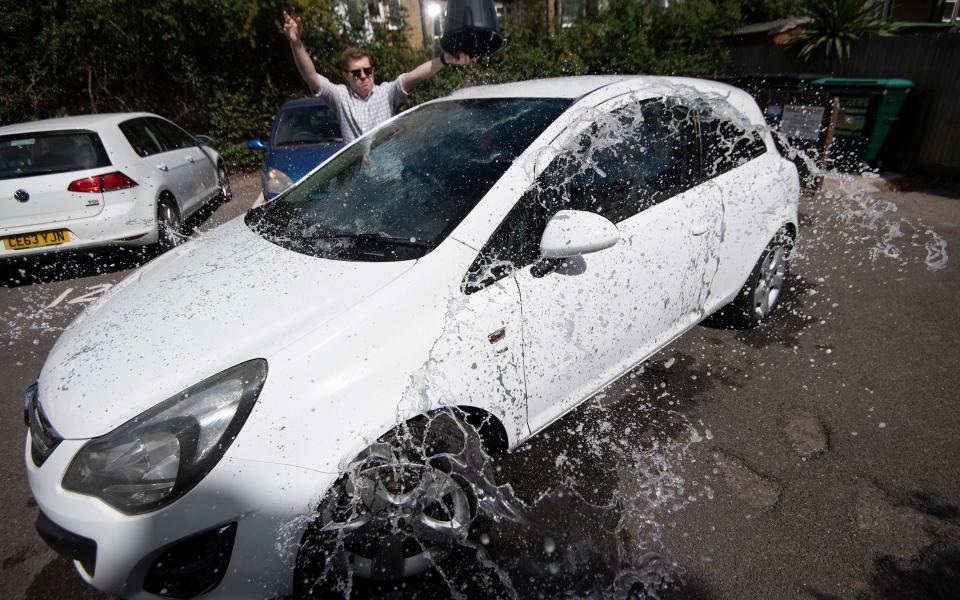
377 238
323 140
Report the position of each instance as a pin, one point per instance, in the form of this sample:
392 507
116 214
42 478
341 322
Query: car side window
141 137
174 138
630 160
625 162
664 150
725 145
516 242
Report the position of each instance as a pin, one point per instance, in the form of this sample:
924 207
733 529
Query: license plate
33 240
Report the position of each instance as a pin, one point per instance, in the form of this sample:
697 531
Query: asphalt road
816 456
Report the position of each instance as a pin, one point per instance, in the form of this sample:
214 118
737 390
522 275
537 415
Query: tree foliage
838 24
759 11
222 67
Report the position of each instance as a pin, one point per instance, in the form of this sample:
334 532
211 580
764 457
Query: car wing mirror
575 232
256 145
205 140
571 233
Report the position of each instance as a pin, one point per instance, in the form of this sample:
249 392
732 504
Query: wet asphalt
816 456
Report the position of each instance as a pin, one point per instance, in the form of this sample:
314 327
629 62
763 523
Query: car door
737 169
173 170
195 174
597 315
478 361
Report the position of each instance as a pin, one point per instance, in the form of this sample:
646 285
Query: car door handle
700 228
190 158
163 167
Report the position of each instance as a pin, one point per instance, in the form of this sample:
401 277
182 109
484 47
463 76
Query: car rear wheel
169 225
405 505
761 293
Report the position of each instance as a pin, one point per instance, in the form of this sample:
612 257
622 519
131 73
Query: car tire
352 546
223 182
763 289
169 225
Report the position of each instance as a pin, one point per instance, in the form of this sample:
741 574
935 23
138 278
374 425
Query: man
361 105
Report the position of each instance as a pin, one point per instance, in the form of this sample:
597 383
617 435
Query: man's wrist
443 59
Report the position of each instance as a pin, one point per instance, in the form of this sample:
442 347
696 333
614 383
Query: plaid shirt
358 115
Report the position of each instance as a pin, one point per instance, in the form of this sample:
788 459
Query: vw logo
21 195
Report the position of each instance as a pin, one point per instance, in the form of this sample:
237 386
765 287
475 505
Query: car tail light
107 182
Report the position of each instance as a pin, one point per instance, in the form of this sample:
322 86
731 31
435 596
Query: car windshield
395 194
42 153
307 125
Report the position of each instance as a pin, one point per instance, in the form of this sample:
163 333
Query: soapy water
586 534
561 543
376 531
856 216
873 221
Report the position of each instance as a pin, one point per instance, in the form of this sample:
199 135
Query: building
424 18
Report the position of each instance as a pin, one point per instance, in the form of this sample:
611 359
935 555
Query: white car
288 379
104 179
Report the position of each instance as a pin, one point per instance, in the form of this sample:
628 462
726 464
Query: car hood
297 161
224 298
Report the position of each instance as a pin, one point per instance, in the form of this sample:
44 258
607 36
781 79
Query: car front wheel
405 505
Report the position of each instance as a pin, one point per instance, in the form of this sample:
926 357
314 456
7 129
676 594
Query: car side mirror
204 140
571 233
575 232
256 145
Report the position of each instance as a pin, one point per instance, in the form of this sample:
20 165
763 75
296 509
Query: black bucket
471 27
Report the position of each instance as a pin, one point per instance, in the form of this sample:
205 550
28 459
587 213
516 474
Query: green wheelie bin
868 110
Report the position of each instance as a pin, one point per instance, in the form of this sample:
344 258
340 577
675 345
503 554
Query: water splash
610 543
853 214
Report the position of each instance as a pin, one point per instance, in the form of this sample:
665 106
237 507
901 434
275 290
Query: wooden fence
930 140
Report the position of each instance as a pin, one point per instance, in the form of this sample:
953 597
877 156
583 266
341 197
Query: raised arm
430 68
291 30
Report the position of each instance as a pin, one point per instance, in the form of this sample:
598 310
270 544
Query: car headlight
159 455
276 181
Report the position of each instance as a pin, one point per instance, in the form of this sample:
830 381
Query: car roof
644 86
302 102
551 87
74 122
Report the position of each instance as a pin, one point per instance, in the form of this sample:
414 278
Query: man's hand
430 68
459 59
291 31
291 28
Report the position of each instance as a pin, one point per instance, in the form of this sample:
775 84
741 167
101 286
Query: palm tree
838 24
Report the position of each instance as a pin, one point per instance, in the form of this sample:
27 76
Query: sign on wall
805 122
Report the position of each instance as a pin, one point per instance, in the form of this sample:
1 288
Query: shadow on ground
59 580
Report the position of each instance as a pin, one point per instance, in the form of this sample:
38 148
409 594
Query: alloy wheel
773 270
169 225
396 518
226 194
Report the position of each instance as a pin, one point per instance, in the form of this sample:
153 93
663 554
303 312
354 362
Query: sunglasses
367 72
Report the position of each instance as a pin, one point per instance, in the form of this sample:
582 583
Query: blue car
305 133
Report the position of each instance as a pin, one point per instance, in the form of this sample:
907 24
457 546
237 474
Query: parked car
305 133
98 180
453 281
